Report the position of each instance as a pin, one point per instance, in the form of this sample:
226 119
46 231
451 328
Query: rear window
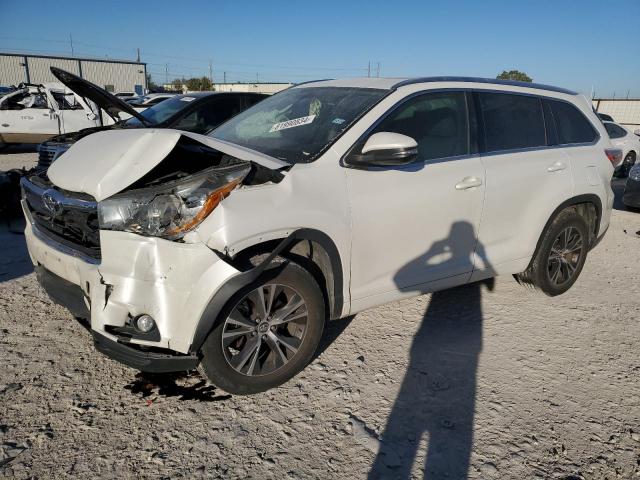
512 121
614 130
571 125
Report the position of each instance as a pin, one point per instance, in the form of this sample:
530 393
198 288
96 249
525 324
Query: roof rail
494 81
312 81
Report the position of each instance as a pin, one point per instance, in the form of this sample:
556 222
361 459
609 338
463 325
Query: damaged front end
126 246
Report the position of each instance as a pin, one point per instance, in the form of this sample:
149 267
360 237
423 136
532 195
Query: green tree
514 75
199 84
151 85
177 84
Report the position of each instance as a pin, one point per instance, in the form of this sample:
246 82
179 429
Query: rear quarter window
511 121
571 125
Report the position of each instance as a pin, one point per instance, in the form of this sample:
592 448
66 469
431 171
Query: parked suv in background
230 251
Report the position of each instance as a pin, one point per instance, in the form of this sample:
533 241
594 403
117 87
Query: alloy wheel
264 330
565 256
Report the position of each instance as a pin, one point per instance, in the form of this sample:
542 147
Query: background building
623 111
112 75
269 88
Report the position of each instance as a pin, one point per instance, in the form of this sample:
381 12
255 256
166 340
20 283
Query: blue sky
575 44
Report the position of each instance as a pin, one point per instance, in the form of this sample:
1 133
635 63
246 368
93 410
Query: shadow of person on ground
437 396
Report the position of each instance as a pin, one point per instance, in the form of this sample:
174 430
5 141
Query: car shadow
436 401
14 261
183 385
617 185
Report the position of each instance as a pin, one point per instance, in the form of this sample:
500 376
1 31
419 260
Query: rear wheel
267 333
560 256
628 162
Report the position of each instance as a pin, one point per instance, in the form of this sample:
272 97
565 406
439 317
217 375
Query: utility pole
211 73
225 77
166 73
71 42
378 70
138 56
369 69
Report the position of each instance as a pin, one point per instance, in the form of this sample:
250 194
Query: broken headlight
171 210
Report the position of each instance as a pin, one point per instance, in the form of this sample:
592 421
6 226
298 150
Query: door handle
556 167
468 182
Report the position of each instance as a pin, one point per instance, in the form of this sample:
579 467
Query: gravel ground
496 377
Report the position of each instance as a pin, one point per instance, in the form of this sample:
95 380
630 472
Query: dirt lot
511 383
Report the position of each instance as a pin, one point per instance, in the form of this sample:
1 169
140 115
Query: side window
512 121
614 130
210 114
437 121
572 126
250 100
40 101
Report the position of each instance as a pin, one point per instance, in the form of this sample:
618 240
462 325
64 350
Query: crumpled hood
105 163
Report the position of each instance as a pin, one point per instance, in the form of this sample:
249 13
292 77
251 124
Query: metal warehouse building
112 75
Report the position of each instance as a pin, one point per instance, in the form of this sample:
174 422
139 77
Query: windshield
298 124
163 110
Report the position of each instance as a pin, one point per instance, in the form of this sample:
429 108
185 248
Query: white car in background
626 141
35 113
150 99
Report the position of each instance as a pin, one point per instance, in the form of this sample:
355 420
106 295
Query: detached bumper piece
144 360
62 292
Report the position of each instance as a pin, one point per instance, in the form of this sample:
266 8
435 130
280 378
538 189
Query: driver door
417 224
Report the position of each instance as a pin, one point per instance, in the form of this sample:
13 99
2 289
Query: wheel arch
593 216
314 249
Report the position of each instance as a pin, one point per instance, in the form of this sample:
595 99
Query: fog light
145 323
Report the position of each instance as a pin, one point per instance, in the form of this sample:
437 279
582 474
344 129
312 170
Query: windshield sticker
296 122
187 99
338 121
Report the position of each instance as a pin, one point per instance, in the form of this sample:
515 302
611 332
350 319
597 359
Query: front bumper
173 282
72 297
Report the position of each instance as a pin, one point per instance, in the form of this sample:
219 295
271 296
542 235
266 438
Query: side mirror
385 149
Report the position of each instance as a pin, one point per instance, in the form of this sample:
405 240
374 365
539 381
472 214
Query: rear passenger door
526 180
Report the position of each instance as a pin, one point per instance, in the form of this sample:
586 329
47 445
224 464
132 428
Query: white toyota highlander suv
229 252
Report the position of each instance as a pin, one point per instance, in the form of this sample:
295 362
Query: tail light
614 155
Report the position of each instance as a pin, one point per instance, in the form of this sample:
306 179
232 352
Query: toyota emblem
52 200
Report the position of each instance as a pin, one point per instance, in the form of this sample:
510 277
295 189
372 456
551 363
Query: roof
395 83
68 57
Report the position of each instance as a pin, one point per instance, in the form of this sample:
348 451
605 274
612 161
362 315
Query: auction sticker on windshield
296 122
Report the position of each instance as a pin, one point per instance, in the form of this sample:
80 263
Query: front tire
267 332
560 256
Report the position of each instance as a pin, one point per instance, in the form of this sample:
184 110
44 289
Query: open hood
107 162
103 99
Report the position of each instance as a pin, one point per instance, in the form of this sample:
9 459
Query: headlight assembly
171 210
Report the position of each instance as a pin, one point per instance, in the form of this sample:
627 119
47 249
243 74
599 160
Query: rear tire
251 349
628 162
561 255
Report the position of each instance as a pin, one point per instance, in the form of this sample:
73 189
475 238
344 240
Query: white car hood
105 163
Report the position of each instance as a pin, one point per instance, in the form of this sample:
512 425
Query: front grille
48 152
68 218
